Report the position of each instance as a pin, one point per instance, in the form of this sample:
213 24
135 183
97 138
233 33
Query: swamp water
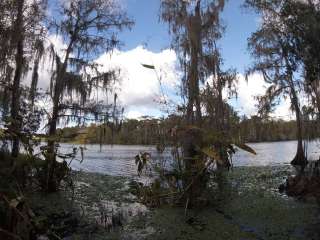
248 207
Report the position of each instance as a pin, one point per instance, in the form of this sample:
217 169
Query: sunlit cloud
140 88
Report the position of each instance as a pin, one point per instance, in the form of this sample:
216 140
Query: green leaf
246 148
212 154
148 66
137 159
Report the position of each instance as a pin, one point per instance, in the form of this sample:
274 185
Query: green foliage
213 155
146 132
274 47
186 179
246 148
31 171
141 160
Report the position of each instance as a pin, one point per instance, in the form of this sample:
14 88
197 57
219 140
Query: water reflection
118 160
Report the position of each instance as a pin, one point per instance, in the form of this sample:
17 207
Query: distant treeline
152 131
256 129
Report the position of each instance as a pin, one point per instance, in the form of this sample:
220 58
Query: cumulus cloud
255 86
46 67
283 111
247 90
140 87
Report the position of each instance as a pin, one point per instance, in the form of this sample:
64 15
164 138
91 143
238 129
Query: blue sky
149 42
149 31
153 34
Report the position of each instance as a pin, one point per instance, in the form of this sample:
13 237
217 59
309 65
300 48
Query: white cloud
140 86
283 111
59 45
133 114
246 102
46 67
247 90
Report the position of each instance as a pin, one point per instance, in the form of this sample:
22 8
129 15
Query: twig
15 209
165 195
55 235
186 208
196 177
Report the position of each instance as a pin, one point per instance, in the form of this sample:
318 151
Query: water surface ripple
118 160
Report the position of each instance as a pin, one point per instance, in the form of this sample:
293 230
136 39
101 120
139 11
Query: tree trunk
51 185
194 36
34 81
192 137
221 126
299 159
51 182
316 89
220 110
15 98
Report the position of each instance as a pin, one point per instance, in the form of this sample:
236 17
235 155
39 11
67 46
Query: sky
153 34
148 42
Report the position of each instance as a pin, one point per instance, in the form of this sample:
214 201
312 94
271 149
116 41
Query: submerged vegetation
197 194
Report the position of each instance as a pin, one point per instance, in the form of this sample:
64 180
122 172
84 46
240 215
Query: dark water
118 160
